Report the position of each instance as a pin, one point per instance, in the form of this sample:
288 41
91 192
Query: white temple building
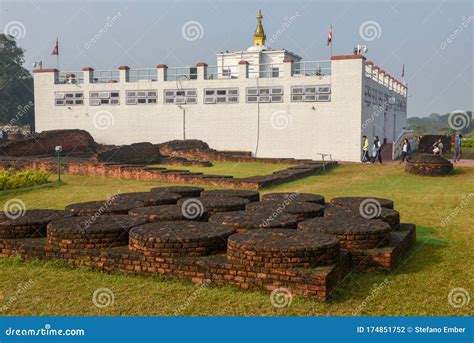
269 102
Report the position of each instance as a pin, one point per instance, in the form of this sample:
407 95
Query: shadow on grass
51 184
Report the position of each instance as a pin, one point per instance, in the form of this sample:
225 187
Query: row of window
379 98
189 96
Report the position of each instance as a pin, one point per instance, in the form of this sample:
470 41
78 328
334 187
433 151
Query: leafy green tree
16 85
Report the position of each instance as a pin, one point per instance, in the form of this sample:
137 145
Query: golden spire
259 36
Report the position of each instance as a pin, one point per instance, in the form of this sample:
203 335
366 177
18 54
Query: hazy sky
434 39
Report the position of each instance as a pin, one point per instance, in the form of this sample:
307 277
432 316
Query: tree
16 85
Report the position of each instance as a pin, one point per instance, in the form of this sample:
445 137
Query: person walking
438 147
365 149
406 150
378 155
457 148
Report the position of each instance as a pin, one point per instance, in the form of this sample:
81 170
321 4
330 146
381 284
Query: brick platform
179 238
429 165
243 221
167 212
358 201
389 216
301 210
31 224
184 191
258 256
251 196
289 197
283 248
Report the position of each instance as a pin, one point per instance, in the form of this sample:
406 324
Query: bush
11 178
468 143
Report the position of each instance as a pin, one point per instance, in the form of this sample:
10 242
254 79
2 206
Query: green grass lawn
235 169
442 259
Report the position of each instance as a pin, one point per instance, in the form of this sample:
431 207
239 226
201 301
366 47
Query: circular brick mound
389 216
97 208
105 231
251 196
179 238
243 221
32 224
354 233
184 191
166 213
429 165
213 204
301 210
290 197
150 198
283 248
357 201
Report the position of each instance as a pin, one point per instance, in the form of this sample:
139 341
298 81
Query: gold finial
259 37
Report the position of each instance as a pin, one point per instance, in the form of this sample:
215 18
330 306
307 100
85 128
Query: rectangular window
221 96
311 93
275 72
68 98
265 94
180 96
141 97
104 98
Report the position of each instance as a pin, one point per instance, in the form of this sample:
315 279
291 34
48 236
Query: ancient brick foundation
429 165
237 247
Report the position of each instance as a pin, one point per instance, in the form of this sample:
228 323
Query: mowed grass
238 170
440 262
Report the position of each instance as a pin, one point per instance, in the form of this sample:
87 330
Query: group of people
375 151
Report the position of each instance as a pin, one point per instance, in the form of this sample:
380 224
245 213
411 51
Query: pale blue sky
142 34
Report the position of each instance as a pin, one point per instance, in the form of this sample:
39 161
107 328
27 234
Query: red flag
330 35
403 70
56 48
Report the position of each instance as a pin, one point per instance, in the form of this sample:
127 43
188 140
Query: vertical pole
59 167
184 123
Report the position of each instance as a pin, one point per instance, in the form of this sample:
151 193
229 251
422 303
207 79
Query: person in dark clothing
406 150
457 148
377 148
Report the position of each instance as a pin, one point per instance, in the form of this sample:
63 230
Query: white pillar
243 70
162 72
201 71
88 75
124 73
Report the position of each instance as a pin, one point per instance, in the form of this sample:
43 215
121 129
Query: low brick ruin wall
141 172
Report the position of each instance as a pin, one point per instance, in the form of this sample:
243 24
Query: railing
106 76
182 73
70 77
312 68
222 72
136 75
266 70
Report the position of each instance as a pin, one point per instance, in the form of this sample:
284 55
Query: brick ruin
220 237
429 165
141 161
